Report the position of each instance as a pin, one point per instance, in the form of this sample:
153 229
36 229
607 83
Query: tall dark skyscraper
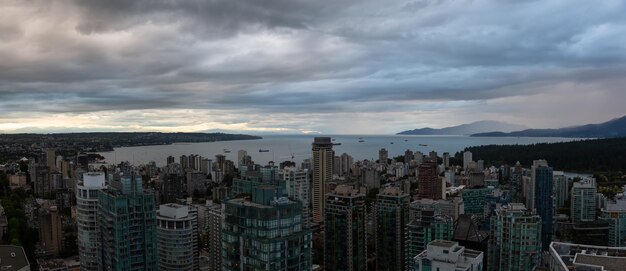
543 182
264 233
345 246
323 156
430 186
392 215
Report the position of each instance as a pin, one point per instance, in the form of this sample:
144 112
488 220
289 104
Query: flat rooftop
443 243
12 258
587 257
609 263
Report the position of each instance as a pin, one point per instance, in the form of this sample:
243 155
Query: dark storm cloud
297 56
222 17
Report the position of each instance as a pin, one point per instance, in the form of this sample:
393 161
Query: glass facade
127 221
265 235
426 226
515 242
177 234
345 246
392 216
88 238
543 202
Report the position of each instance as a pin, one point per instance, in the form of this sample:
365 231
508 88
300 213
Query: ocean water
284 147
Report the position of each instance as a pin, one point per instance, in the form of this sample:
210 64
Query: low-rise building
448 255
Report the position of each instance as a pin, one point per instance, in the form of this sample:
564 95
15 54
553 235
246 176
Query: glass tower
515 239
127 221
345 246
392 215
264 232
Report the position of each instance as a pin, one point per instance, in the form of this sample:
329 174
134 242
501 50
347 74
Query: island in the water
613 128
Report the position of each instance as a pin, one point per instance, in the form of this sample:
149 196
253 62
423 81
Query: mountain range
467 129
613 128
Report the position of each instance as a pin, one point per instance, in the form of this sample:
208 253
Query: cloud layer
299 66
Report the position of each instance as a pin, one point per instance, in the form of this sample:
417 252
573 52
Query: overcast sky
299 66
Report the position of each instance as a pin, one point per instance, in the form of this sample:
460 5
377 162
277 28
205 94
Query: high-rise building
474 200
265 233
184 161
446 159
196 182
323 156
392 215
543 183
269 173
517 183
418 157
50 231
127 221
480 165
88 239
476 179
51 159
448 255
370 177
408 156
345 244
172 187
615 214
215 219
295 184
430 186
177 237
561 192
240 155
205 166
515 239
530 188
425 226
170 160
383 155
343 164
467 159
433 156
346 163
41 179
583 201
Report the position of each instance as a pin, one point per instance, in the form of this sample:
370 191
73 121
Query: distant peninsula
467 129
28 145
609 129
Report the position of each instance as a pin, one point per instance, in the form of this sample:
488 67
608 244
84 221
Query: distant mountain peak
467 129
612 128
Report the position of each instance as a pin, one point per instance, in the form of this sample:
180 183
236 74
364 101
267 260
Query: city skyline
416 211
306 66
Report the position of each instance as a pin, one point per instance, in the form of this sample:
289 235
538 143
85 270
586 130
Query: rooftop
443 243
619 205
609 263
12 258
585 183
346 190
587 257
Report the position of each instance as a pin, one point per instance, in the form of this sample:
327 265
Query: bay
283 147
